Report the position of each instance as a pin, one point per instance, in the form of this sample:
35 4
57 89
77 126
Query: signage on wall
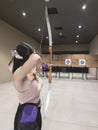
67 61
82 62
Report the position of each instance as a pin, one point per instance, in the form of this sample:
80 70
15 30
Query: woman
23 65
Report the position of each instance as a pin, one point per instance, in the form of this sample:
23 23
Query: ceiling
67 17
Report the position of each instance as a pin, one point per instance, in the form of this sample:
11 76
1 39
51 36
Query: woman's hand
32 76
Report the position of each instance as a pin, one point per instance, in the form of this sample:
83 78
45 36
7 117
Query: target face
67 61
82 62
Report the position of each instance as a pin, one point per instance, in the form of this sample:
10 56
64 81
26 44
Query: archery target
82 62
67 61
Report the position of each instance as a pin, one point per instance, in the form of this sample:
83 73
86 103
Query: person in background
23 65
45 69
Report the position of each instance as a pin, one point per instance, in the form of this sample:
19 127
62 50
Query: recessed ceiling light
80 26
47 0
78 36
24 13
60 34
84 7
47 37
76 41
39 29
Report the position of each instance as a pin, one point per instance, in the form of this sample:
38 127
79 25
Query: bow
50 66
50 43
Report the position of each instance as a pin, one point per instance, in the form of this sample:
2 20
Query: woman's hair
24 50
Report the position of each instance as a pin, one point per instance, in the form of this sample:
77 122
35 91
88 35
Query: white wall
94 45
9 37
94 50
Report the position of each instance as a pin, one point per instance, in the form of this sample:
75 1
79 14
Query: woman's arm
27 67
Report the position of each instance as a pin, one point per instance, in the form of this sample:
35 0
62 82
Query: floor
73 104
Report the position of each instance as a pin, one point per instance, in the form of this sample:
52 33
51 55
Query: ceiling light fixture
60 34
84 7
76 41
39 29
47 37
78 36
79 26
47 0
23 13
